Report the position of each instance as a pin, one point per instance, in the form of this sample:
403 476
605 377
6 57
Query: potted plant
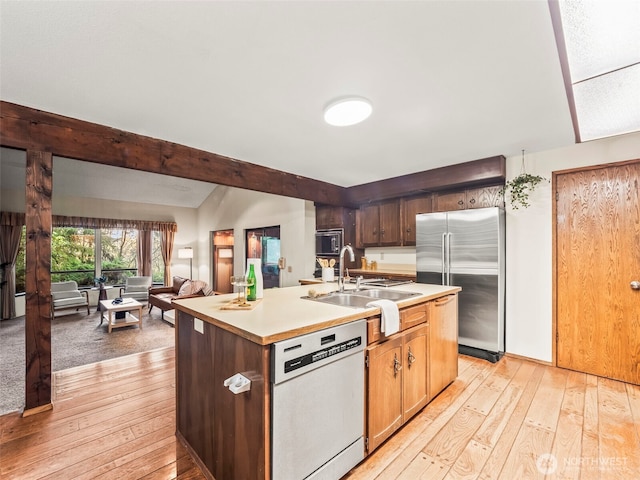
517 189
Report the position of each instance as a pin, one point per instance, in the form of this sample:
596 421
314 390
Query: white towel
390 323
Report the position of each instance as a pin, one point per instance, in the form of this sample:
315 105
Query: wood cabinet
397 375
410 208
397 382
443 343
408 369
328 216
471 198
380 224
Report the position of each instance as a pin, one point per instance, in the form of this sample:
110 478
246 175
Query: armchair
136 288
66 295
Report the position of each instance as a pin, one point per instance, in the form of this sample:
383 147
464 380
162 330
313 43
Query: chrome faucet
341 272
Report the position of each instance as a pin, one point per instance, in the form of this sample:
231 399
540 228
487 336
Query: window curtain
166 245
144 253
17 218
9 245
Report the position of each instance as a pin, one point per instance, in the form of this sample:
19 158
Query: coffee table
128 306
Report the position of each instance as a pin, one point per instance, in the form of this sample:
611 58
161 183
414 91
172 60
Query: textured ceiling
450 81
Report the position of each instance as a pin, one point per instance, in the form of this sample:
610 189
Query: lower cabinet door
384 399
415 349
443 343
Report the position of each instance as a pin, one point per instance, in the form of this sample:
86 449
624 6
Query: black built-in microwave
329 242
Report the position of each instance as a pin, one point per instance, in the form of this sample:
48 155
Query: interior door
597 259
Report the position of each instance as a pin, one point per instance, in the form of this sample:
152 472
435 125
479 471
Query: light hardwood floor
510 420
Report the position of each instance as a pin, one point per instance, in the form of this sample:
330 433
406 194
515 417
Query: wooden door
415 361
390 223
597 258
384 393
443 343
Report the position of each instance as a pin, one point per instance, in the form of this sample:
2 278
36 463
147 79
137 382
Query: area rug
76 339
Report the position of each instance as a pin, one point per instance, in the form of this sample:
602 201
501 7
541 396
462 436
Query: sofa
162 297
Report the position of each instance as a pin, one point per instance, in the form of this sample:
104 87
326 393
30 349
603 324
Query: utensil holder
328 274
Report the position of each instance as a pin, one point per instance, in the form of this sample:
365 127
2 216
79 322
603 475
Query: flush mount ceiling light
347 111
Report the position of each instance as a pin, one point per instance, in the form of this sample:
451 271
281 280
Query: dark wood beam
38 281
27 128
486 171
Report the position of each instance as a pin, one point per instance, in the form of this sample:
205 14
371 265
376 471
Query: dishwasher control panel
299 355
309 358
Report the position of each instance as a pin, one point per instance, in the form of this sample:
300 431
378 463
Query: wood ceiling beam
28 128
31 129
485 171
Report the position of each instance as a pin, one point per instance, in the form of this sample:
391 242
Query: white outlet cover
198 325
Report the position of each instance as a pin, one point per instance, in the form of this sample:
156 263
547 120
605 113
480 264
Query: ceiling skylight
599 46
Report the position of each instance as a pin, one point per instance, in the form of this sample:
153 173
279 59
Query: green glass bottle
251 289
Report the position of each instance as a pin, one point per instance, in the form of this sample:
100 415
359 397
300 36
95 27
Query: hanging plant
517 190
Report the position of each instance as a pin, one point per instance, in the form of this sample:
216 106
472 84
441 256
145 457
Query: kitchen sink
360 298
384 293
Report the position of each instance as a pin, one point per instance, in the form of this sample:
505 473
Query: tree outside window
119 249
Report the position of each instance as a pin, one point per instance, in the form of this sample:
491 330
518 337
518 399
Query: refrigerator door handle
443 270
449 258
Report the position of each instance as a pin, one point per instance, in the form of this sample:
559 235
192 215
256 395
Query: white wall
237 209
529 236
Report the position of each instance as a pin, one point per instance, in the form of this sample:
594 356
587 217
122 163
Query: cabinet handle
397 366
460 202
408 229
411 356
472 201
444 300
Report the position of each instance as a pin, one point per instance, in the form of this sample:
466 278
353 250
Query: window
73 255
74 252
21 266
118 254
157 264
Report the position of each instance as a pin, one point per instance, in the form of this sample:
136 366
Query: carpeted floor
76 339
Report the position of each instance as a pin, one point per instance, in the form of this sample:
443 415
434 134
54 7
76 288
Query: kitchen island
229 435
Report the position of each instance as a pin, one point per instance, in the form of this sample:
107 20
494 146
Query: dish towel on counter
390 323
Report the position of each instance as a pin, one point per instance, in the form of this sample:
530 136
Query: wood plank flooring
511 420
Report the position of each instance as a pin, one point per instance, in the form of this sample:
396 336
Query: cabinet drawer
412 316
373 330
409 317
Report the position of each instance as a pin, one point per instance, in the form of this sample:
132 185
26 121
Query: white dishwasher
318 403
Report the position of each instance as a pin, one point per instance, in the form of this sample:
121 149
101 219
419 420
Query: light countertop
283 314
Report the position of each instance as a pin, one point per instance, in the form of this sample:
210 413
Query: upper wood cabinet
411 207
334 217
380 224
471 198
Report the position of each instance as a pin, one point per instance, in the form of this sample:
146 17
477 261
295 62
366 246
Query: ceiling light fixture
347 111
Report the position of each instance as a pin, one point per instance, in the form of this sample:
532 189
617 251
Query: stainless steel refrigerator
467 248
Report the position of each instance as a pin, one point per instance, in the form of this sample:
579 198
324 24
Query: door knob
635 285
